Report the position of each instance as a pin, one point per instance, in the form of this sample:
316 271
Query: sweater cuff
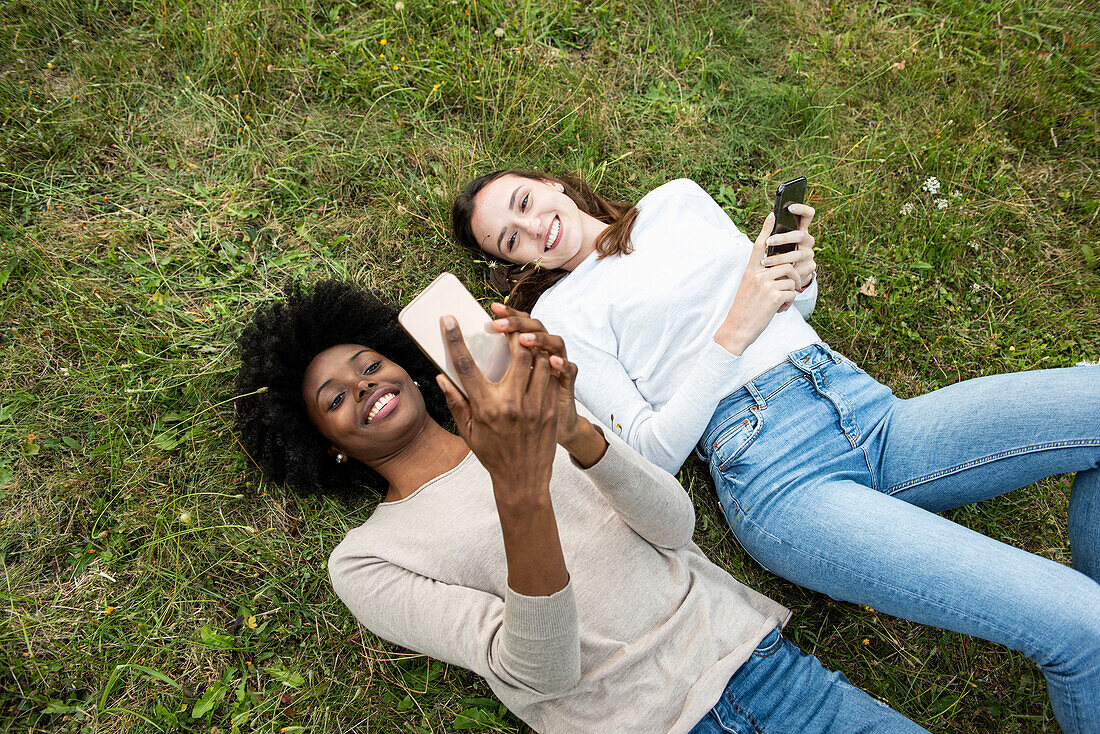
716 369
540 617
616 469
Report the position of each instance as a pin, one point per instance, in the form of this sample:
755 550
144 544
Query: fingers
804 212
761 243
468 372
518 369
549 343
456 403
519 322
565 371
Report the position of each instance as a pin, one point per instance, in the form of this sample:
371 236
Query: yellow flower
251 622
866 641
382 42
110 609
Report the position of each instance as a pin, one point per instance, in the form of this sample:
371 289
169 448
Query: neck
433 451
590 230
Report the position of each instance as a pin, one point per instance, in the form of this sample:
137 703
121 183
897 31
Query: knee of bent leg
1073 631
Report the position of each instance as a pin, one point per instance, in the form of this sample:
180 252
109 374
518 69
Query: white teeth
379 405
554 229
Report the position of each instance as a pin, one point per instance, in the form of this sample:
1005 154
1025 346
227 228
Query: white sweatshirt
640 327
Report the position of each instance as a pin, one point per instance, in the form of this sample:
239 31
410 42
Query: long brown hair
525 283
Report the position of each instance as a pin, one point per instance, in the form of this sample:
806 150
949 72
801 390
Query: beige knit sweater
644 637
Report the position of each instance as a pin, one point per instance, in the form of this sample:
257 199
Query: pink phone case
447 296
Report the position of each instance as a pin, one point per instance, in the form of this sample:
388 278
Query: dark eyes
522 207
339 399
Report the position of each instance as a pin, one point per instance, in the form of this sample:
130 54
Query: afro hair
276 347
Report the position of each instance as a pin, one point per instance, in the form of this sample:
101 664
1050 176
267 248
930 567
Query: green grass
165 165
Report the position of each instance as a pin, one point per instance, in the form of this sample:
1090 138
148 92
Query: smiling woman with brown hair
690 337
533 548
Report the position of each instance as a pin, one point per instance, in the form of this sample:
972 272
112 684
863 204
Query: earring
417 383
340 458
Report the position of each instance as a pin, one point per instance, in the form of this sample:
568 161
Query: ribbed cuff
540 617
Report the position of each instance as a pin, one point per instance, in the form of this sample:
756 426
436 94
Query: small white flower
976 287
931 185
185 518
956 194
399 6
908 209
494 264
941 203
499 33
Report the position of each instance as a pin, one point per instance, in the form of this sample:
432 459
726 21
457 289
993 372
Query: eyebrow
511 203
317 397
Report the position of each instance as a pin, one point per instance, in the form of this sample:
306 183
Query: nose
532 226
363 389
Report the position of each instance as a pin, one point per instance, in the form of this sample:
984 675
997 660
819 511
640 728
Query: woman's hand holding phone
511 426
802 258
762 293
583 442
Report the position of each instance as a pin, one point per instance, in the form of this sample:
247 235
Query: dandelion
908 209
499 33
941 203
931 185
399 6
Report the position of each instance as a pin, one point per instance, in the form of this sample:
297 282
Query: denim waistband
754 394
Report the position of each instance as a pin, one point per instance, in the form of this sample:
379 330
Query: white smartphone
447 296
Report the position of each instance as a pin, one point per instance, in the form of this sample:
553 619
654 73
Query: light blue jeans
781 690
830 481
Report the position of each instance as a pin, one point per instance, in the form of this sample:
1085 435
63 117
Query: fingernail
527 338
501 322
557 362
449 323
770 241
765 262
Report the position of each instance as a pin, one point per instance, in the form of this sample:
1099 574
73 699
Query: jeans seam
743 712
1078 443
1022 635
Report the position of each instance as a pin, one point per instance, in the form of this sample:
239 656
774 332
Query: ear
554 184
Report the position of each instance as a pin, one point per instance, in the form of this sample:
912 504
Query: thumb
761 244
456 403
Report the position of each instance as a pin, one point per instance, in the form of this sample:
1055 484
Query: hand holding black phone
791 192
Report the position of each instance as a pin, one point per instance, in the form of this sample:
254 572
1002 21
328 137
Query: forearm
532 547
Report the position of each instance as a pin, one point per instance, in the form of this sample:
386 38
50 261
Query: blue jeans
830 481
781 690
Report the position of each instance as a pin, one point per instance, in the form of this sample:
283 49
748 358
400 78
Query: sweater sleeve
667 436
647 498
527 643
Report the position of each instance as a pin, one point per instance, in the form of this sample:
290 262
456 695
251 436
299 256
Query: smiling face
365 405
525 220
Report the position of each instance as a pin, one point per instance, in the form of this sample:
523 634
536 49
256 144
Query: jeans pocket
736 439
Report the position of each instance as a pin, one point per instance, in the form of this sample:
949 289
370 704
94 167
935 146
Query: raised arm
511 426
648 499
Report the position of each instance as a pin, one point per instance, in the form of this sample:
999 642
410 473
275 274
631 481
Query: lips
381 403
553 235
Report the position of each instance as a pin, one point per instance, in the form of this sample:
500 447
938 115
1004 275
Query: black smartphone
791 192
